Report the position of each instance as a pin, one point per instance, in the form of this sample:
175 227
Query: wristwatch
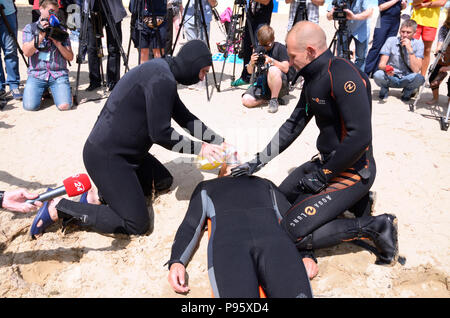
2 194
411 53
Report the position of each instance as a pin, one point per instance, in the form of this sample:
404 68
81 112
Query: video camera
339 6
53 31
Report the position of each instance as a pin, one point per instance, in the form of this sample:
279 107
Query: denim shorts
34 88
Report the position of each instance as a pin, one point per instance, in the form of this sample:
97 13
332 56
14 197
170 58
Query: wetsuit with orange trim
247 247
338 96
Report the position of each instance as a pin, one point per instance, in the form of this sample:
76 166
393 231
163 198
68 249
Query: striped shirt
312 11
40 68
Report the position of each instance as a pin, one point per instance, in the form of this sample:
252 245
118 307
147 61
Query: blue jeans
360 51
408 82
195 33
35 87
10 51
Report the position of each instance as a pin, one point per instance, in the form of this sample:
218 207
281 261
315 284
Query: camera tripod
340 41
234 37
198 8
83 39
301 14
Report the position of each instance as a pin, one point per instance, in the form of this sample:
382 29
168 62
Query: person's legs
113 63
292 281
434 84
144 52
231 269
11 57
383 81
190 31
249 98
360 53
61 92
410 83
126 210
381 229
426 56
32 95
274 80
387 29
92 52
152 174
311 211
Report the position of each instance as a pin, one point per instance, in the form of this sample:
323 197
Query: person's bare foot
311 267
92 196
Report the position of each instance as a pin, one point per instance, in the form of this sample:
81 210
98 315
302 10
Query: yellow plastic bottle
228 155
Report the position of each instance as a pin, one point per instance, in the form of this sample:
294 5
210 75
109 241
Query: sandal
44 216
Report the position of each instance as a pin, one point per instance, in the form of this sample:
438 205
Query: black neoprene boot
381 230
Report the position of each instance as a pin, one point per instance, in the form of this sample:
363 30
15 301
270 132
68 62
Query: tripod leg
107 10
207 41
230 41
82 42
179 29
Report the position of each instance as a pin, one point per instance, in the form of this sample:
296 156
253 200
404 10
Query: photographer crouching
47 46
271 74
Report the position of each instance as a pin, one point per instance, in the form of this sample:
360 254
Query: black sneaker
93 86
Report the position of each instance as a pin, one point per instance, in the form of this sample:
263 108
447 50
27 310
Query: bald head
305 42
306 33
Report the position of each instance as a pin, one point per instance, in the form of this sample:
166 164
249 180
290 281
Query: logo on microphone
79 186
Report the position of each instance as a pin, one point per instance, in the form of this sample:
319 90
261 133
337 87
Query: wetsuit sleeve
288 132
188 234
194 125
160 102
352 94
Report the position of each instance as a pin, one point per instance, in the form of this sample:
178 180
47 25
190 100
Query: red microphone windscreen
77 184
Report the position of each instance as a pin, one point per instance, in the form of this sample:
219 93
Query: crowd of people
154 25
307 205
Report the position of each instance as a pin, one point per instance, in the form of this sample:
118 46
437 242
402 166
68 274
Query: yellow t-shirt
427 16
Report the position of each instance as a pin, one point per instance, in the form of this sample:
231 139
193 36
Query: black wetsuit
338 95
137 115
247 247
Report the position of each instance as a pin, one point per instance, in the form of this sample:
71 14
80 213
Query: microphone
73 186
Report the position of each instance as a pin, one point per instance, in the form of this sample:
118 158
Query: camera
54 29
261 61
339 5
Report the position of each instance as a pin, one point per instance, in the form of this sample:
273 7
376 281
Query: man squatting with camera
271 61
48 58
339 178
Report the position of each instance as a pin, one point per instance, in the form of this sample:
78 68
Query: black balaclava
191 58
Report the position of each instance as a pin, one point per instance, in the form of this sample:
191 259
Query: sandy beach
41 149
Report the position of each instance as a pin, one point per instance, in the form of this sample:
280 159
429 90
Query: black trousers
316 213
124 186
94 43
266 257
